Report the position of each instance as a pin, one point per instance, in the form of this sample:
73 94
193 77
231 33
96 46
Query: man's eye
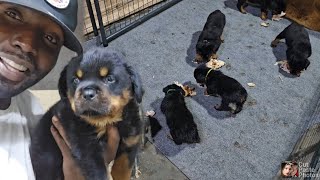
14 15
51 39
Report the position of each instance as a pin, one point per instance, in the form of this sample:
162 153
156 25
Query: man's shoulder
27 102
25 105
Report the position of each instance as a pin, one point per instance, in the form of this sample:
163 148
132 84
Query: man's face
30 43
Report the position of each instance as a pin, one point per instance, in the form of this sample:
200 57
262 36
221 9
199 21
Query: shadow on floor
191 52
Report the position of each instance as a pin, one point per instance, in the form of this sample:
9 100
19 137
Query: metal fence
119 16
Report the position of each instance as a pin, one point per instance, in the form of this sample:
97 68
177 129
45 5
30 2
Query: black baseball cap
63 12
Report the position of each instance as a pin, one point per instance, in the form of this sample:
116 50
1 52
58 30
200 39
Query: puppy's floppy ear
182 91
62 85
307 64
136 83
165 89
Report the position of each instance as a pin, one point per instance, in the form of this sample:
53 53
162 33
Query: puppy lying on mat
180 121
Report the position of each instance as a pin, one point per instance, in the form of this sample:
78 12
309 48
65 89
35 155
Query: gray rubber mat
254 143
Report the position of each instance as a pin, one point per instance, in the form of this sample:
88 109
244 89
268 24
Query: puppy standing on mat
210 38
232 93
276 6
299 48
97 90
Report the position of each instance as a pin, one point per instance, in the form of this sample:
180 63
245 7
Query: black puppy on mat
210 38
299 47
180 121
233 94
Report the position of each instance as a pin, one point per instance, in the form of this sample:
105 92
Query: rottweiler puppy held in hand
210 38
232 93
276 6
97 90
179 119
299 47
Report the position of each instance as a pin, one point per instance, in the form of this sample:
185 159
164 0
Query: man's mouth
12 70
14 65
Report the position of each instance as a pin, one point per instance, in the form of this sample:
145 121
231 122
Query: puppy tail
235 107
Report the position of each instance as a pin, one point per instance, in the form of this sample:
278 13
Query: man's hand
71 170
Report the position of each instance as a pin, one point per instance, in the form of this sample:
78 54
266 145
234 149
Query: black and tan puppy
97 90
210 38
299 47
232 93
276 6
180 121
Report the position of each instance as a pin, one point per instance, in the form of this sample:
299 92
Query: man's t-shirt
16 123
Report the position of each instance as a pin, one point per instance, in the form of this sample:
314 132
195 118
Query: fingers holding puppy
58 133
71 170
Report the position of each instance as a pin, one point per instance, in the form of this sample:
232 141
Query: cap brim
70 40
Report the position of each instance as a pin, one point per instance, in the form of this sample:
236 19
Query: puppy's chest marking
101 131
131 140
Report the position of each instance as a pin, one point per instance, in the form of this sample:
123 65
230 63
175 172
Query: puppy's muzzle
90 99
89 93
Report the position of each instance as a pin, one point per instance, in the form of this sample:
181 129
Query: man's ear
62 85
136 83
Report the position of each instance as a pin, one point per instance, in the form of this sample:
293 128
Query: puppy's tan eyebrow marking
79 73
103 71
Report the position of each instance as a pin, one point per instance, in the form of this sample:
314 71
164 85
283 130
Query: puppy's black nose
89 93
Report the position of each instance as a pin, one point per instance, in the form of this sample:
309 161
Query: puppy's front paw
242 10
206 92
222 39
137 173
264 16
198 59
274 43
217 107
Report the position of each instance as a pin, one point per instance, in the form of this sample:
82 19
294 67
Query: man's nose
26 42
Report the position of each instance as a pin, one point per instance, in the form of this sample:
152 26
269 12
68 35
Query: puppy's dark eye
76 81
109 79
